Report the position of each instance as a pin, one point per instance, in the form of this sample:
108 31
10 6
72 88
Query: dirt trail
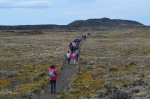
62 82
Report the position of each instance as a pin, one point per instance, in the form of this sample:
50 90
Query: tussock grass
29 56
112 60
4 83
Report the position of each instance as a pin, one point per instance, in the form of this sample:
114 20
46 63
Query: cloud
25 4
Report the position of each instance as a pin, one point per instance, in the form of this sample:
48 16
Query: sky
63 12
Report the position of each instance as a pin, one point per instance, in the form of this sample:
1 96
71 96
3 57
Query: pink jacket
56 73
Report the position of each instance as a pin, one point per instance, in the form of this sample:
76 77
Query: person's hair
52 66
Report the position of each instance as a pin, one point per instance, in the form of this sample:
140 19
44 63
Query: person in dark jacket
52 80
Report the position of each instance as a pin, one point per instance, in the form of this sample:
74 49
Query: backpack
68 55
74 44
51 73
77 52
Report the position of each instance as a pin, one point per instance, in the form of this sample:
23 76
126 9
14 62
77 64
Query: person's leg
68 60
77 57
54 85
74 60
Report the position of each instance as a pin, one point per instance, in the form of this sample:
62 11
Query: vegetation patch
110 60
83 85
120 82
4 83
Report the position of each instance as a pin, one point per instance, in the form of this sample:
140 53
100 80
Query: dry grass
25 58
113 60
110 60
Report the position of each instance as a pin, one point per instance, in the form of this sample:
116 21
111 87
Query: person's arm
56 72
48 74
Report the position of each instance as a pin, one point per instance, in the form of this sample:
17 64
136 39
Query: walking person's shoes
51 92
55 91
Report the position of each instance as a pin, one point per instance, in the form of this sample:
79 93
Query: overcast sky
62 12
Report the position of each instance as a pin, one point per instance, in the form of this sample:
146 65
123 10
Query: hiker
77 40
53 74
74 46
89 34
84 37
68 54
74 57
71 47
77 52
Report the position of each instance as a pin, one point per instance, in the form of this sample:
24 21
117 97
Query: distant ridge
80 24
105 22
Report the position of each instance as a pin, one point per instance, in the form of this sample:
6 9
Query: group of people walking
73 53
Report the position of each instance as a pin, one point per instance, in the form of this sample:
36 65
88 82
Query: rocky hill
81 24
105 22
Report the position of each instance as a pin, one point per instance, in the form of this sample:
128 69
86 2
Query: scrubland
24 59
114 63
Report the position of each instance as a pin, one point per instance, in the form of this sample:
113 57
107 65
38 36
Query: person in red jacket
53 74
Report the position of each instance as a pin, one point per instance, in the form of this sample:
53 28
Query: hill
93 24
105 22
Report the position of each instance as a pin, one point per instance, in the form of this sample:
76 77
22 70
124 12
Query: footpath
62 82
